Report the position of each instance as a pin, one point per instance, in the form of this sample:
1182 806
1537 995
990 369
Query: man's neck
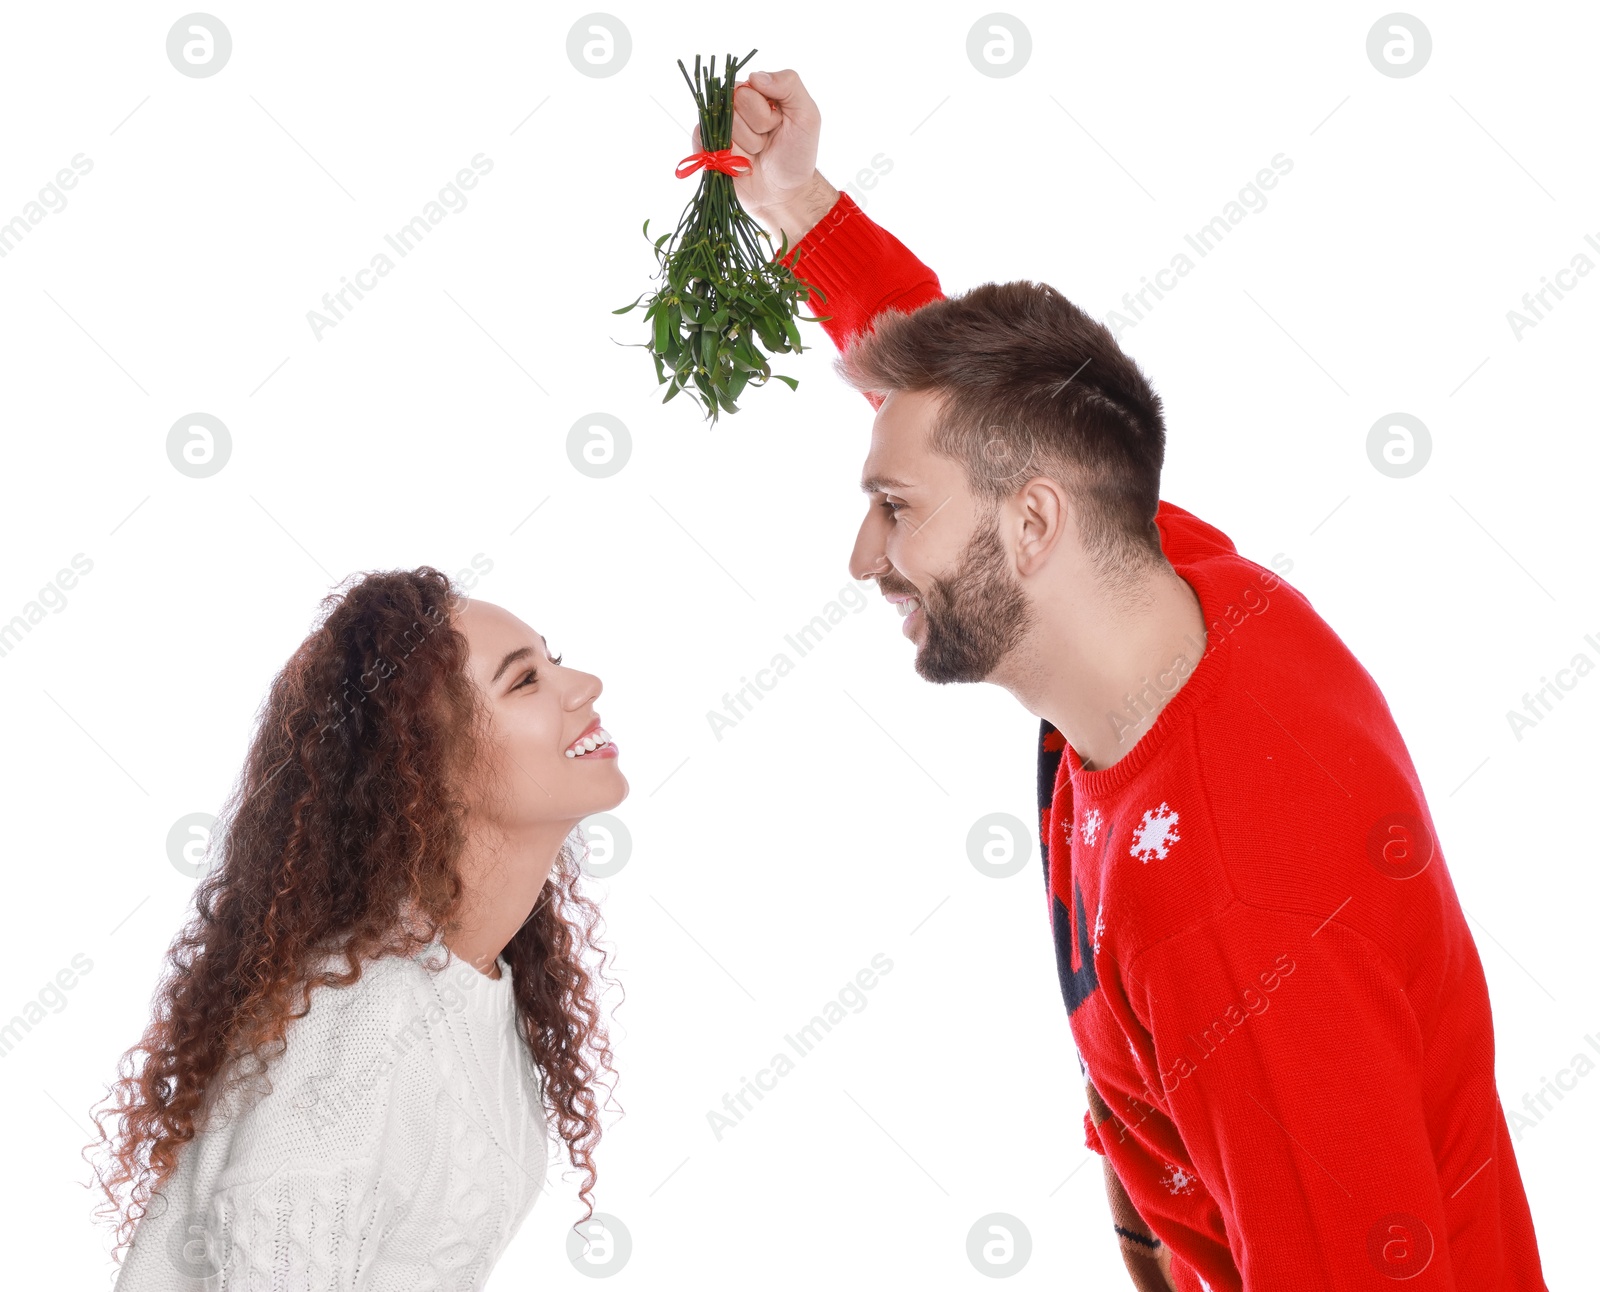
1100 668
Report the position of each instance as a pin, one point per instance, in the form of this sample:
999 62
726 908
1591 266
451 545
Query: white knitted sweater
400 1147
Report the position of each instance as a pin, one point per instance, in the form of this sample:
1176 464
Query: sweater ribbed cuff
859 268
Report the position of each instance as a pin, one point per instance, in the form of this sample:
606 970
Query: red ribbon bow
723 159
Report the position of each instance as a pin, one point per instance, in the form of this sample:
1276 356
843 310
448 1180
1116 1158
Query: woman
394 909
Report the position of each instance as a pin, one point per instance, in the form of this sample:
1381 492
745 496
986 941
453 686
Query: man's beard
974 618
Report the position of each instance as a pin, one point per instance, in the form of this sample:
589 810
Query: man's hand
776 124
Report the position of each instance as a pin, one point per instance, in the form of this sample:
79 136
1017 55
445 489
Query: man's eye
893 508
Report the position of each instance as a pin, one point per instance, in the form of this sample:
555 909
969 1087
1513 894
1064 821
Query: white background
831 824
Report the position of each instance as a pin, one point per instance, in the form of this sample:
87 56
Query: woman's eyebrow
511 658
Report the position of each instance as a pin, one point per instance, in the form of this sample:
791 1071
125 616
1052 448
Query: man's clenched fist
776 124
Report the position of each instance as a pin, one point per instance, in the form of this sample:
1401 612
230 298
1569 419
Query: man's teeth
589 743
907 606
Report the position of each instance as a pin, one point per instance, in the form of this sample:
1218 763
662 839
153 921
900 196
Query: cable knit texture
397 1144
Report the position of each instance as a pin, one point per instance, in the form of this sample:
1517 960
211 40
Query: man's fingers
753 108
794 101
746 140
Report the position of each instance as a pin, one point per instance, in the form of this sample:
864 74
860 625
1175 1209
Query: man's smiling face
935 548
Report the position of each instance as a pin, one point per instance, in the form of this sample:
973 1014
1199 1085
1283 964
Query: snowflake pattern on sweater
1177 1179
1157 832
1092 821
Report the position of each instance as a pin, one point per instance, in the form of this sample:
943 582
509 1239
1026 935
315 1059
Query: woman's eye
532 675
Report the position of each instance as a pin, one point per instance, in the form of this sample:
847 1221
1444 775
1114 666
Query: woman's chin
610 788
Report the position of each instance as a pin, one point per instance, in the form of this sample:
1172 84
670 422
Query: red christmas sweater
1281 1014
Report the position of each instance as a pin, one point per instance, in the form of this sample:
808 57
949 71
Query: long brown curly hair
342 834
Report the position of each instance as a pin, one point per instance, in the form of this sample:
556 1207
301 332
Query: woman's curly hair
342 835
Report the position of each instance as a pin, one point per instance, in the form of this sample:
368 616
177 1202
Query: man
1281 1016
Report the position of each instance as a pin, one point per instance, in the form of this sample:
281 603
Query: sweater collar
1203 682
436 953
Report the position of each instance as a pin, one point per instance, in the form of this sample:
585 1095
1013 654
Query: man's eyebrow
881 484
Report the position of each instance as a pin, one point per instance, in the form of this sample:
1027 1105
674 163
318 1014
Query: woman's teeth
589 743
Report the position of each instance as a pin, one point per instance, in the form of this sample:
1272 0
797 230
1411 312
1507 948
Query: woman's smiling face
539 709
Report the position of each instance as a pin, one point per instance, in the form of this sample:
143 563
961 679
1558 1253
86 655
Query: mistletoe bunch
722 300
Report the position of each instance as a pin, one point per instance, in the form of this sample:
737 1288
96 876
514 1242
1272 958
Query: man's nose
868 557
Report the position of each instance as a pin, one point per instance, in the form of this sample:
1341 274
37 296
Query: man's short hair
1029 385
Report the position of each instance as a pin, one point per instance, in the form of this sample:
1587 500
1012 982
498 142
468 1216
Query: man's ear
1042 506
